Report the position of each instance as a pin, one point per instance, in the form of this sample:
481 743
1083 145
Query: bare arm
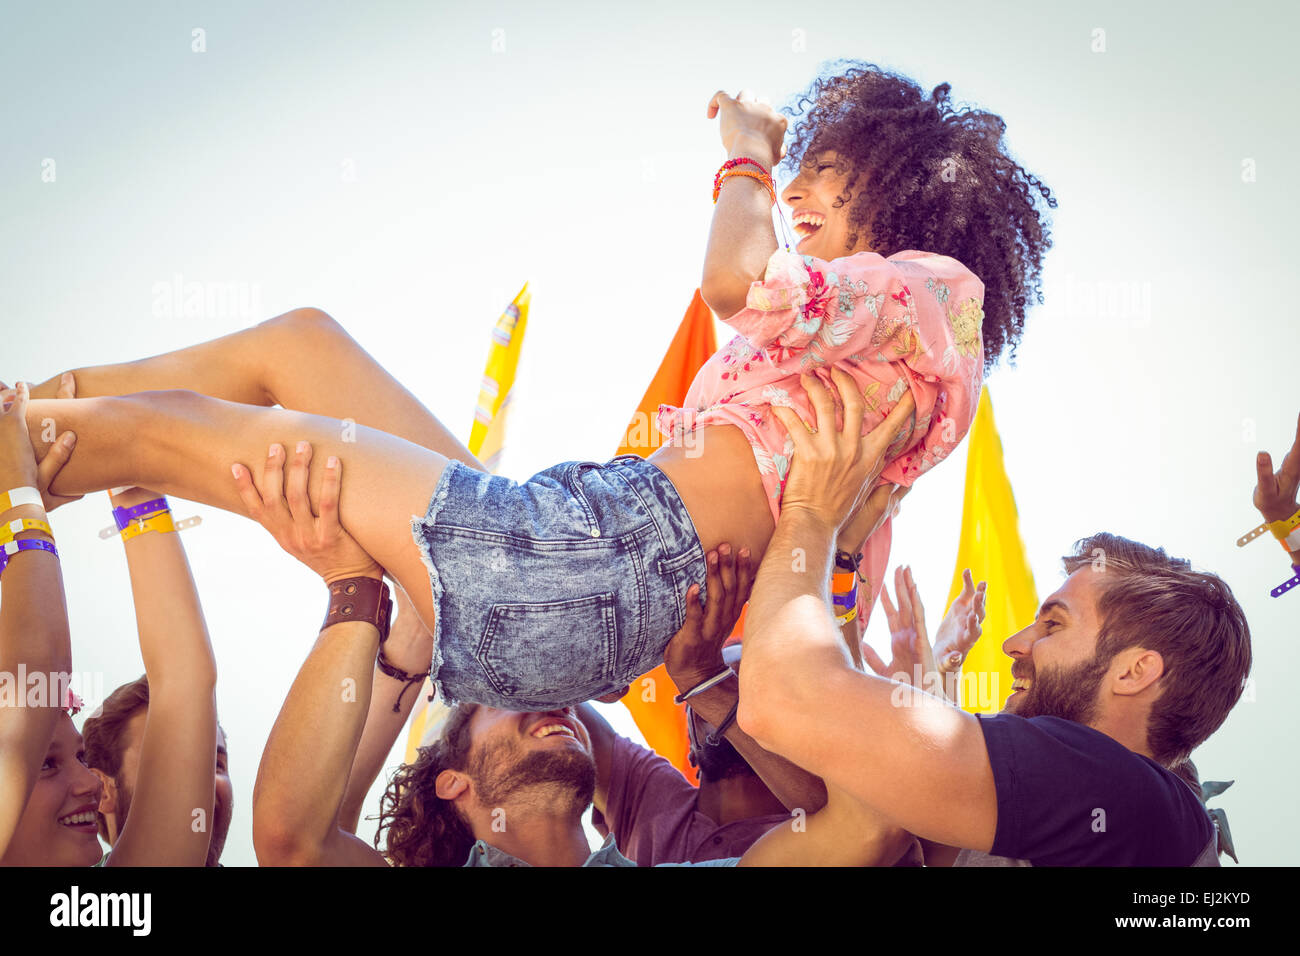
920 763
33 618
170 822
695 654
409 648
845 833
303 776
741 239
602 746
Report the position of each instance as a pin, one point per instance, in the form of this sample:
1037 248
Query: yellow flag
991 547
487 438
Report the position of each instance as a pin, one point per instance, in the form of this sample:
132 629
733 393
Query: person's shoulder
1126 789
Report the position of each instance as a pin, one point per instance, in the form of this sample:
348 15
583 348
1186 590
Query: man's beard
1069 693
221 814
502 773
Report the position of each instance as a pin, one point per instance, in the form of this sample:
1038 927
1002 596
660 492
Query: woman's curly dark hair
934 178
423 829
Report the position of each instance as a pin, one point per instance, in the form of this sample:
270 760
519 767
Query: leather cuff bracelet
360 599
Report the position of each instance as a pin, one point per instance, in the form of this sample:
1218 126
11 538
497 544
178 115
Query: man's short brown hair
1190 618
102 733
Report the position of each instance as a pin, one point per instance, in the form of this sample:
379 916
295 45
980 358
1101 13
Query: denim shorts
557 590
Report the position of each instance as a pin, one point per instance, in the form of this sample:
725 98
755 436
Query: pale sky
407 166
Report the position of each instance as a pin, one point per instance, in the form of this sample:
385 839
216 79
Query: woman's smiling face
822 226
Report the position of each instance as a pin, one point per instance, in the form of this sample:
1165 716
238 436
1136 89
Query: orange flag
663 723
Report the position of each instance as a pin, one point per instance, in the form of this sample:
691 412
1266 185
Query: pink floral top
910 321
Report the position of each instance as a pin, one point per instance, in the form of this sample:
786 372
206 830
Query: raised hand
283 507
833 470
695 652
18 465
748 118
909 643
1275 493
960 627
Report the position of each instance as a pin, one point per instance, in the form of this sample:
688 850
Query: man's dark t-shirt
1069 795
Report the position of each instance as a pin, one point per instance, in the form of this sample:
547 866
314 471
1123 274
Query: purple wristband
125 517
1287 585
27 544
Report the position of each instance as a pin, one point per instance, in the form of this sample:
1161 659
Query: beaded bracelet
748 174
11 529
730 164
31 544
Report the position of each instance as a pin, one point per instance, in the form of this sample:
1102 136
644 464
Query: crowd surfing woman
920 250
50 800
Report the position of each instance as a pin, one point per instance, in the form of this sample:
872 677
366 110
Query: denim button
595 532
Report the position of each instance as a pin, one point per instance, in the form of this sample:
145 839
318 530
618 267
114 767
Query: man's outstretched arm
919 762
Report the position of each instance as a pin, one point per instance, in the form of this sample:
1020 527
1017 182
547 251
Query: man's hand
18 467
913 660
833 469
284 509
960 627
1275 494
695 652
747 118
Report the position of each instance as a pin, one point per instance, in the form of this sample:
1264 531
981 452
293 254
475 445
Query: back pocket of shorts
532 650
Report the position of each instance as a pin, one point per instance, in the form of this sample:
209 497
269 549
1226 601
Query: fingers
329 496
823 404
67 386
248 495
899 418
55 459
716 101
874 661
727 564
794 427
891 612
979 600
744 579
1264 472
273 477
918 609
713 588
18 401
296 487
694 610
967 584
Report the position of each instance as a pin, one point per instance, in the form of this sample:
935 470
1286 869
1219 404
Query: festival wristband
160 521
26 495
844 601
11 529
1291 543
32 544
127 516
1288 584
1280 528
709 684
850 615
360 599
1285 526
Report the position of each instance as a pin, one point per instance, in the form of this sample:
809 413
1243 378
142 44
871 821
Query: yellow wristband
158 521
1284 527
10 529
847 616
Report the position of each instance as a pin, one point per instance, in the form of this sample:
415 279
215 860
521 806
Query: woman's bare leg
302 360
182 443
